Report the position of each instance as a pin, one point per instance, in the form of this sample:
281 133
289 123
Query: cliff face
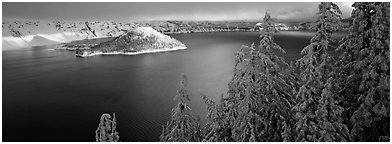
138 39
86 29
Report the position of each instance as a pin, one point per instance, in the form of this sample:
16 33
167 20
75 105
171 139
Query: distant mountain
308 24
99 29
85 29
11 42
40 41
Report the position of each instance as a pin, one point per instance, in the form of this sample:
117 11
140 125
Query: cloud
292 11
310 12
298 14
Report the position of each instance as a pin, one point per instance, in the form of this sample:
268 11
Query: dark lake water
50 95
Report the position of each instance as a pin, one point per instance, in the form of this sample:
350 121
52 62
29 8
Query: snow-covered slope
137 41
11 42
39 41
18 34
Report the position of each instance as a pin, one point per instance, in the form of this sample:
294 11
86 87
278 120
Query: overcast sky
132 11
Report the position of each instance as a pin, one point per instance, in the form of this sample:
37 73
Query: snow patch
149 31
10 42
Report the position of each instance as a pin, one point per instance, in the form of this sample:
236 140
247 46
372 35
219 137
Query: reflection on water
52 96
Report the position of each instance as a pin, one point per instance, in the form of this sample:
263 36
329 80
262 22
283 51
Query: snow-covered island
136 41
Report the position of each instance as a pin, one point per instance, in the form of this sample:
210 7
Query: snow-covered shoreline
97 53
72 49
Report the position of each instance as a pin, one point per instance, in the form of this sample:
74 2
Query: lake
50 95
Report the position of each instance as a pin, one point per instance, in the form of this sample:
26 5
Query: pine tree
260 97
217 127
364 72
318 114
183 126
106 131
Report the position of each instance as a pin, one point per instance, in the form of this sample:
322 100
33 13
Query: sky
139 11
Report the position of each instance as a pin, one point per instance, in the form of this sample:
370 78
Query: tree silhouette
183 126
318 115
218 126
364 72
106 131
259 95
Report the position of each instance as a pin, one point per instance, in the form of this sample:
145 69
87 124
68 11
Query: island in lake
136 41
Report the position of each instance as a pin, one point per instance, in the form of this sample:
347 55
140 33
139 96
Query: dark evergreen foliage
261 97
318 114
106 131
364 72
218 127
